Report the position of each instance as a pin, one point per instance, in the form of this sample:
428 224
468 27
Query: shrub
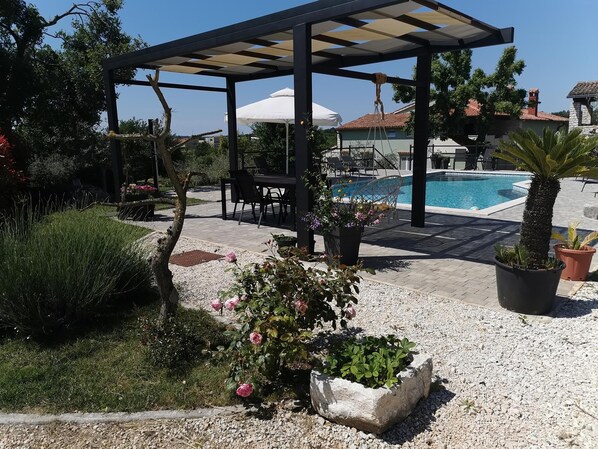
371 361
171 346
278 304
58 272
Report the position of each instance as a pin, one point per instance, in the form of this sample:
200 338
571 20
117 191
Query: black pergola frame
300 20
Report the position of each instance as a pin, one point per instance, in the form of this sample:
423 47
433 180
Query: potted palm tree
575 252
527 278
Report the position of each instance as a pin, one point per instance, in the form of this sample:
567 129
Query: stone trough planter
371 409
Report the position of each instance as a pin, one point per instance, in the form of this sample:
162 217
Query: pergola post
303 114
420 138
115 150
231 108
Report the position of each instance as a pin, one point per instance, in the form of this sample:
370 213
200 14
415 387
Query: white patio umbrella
280 108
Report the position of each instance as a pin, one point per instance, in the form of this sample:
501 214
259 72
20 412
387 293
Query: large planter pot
343 243
577 261
530 292
371 409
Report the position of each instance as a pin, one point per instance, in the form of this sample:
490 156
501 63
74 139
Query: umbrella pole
287 129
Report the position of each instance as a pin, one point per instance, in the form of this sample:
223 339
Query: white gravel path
503 380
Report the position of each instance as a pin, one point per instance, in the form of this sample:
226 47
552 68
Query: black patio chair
250 194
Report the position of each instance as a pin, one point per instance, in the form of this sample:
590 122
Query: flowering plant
132 189
333 210
278 303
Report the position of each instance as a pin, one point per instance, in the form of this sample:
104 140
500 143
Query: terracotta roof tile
584 89
399 120
391 120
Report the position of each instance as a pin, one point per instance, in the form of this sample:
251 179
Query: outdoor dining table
268 182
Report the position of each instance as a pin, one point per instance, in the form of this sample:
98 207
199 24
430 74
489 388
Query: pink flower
350 312
300 306
231 257
376 221
230 304
361 216
243 297
245 390
322 281
255 338
216 305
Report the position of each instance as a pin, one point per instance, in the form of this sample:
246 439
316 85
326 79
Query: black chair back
247 189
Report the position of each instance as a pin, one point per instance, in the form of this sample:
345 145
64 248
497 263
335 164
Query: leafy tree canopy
454 84
53 98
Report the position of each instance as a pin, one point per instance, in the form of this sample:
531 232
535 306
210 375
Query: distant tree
454 84
137 155
52 99
561 113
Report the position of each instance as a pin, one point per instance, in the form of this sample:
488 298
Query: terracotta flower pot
577 260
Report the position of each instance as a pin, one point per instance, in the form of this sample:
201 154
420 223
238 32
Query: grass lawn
105 367
106 370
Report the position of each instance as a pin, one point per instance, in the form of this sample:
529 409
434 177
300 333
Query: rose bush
278 303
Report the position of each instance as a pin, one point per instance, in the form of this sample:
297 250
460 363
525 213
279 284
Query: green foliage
454 84
138 158
371 361
549 157
52 99
573 240
332 211
106 369
178 343
278 304
553 155
518 256
60 271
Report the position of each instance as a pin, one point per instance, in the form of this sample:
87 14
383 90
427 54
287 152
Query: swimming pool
465 191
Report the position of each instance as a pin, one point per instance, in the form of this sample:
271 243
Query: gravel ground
502 380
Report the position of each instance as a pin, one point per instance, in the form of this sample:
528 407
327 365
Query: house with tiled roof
365 131
584 100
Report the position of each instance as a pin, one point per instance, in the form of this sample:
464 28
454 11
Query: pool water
458 191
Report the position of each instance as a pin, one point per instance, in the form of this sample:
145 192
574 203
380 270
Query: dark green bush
181 340
64 269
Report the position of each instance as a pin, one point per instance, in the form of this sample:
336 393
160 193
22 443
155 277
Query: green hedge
62 270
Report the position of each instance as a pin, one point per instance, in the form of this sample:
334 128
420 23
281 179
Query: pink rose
300 306
245 390
255 338
230 304
376 222
231 257
350 312
216 305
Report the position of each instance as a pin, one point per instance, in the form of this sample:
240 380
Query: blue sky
555 38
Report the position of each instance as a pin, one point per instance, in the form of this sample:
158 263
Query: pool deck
452 256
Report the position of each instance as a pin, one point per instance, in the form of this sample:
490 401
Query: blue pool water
458 191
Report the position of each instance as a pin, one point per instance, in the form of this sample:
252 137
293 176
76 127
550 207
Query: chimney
533 101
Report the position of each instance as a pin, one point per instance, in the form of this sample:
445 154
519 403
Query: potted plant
136 193
371 383
526 277
284 241
340 220
575 253
278 304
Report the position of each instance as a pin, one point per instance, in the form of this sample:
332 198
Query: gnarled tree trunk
159 263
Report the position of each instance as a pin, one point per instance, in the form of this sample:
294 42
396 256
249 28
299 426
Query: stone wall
580 116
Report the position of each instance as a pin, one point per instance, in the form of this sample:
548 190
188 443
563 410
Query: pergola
324 37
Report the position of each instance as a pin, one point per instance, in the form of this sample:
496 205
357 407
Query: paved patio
451 257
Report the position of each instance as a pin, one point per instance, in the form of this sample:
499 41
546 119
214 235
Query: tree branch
77 9
167 111
193 137
124 137
188 179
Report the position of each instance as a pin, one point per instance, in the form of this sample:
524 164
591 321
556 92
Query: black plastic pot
343 244
531 292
